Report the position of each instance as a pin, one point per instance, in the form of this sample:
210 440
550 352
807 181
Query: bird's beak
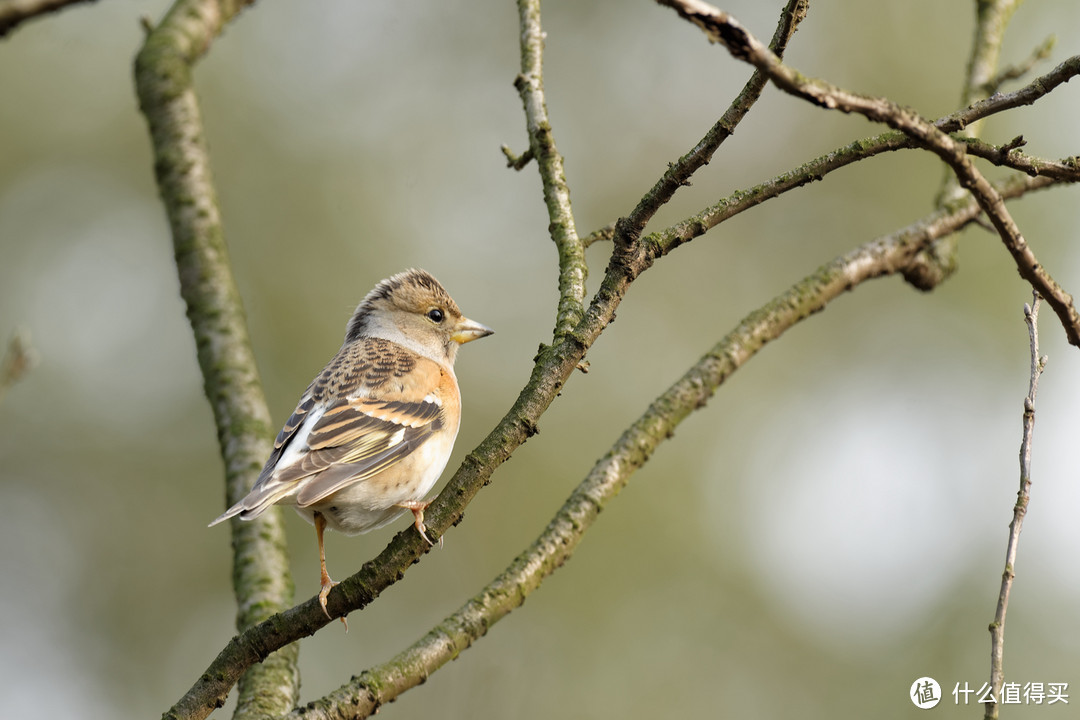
468 330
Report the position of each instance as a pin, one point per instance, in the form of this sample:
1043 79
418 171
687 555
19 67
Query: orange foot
326 584
417 507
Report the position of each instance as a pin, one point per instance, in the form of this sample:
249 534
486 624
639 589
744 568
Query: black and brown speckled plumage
356 437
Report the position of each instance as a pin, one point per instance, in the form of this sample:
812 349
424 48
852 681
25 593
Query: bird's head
414 310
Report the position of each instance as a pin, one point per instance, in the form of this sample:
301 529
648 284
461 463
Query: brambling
373 432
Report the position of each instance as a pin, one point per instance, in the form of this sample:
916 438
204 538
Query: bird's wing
369 408
264 492
357 438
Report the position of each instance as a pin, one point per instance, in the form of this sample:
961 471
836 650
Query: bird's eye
435 315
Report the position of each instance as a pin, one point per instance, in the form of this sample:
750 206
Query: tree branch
516 162
941 259
167 98
552 367
15 12
679 172
1015 72
721 27
1009 155
530 85
365 693
991 19
1066 171
1023 496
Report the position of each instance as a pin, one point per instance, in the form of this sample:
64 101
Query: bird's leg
325 581
417 507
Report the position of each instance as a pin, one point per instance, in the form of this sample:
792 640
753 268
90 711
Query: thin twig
604 234
991 19
721 27
1023 496
530 85
516 162
1015 72
1066 170
1009 155
678 174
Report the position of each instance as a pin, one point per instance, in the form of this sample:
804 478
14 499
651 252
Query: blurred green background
830 528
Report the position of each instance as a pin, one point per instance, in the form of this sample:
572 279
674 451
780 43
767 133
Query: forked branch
720 27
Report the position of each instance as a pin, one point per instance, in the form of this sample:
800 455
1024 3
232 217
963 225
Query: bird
374 430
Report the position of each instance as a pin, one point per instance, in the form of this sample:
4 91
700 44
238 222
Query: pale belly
374 502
